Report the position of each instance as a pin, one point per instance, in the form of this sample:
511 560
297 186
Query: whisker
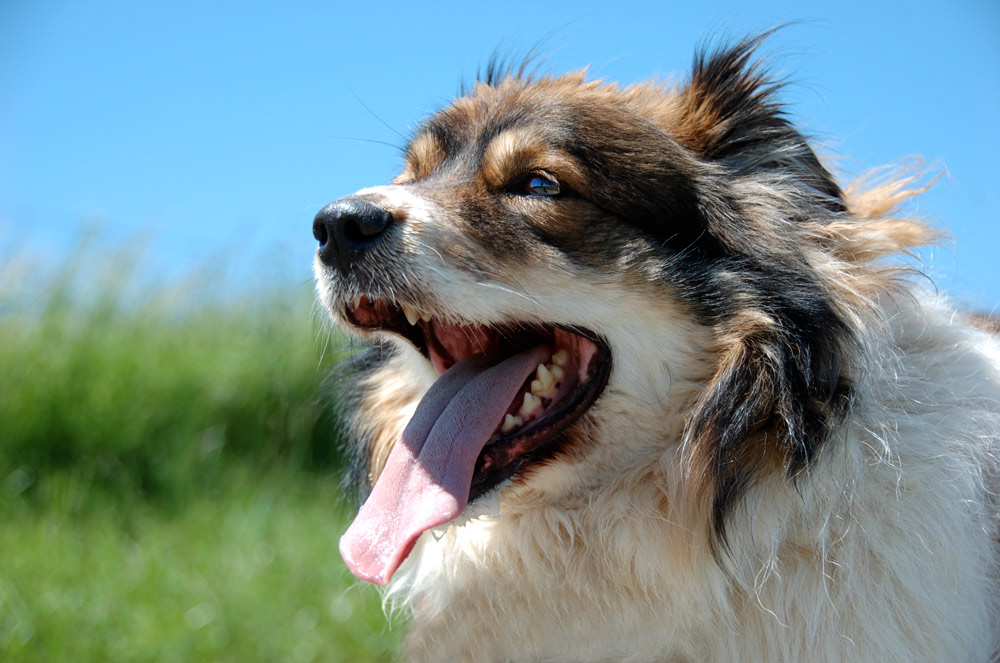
395 146
376 116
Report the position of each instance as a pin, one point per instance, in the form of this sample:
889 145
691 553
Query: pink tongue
426 480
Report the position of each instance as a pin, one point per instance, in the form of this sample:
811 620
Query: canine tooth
545 375
411 314
543 384
560 357
530 404
510 422
426 317
356 301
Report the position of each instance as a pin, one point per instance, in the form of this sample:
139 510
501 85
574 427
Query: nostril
320 232
360 229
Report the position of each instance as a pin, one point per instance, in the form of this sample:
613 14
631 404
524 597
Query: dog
643 382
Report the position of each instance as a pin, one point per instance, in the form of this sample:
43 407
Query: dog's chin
503 400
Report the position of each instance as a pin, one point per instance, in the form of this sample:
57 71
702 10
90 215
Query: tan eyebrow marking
425 154
510 154
518 151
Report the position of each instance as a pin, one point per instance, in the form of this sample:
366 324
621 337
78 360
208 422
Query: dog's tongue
426 479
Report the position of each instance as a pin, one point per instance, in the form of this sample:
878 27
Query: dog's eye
536 184
540 185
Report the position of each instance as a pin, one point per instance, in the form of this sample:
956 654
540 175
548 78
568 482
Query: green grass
169 472
250 573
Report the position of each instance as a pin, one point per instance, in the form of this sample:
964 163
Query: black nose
347 228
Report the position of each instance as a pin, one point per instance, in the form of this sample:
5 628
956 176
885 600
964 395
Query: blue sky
216 130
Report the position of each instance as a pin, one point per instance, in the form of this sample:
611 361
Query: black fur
754 132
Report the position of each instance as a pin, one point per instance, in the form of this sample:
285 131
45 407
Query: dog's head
570 275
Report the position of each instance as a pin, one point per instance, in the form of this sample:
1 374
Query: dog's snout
347 228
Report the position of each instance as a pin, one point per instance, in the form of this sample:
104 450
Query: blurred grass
169 472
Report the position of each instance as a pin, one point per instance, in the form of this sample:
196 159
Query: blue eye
540 185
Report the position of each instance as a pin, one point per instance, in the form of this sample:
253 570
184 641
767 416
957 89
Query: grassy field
169 474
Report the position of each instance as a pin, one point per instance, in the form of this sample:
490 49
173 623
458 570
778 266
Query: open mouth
558 391
503 397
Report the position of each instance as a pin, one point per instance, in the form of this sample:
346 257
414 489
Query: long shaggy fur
795 457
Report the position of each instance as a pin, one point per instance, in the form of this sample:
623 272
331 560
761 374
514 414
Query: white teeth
530 404
557 372
356 302
411 314
560 357
545 375
543 384
510 422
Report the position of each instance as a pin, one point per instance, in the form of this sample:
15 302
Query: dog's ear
780 382
728 114
777 392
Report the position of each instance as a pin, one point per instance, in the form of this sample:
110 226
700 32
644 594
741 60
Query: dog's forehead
471 123
503 127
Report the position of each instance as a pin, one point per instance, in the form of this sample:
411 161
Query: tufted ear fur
730 117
